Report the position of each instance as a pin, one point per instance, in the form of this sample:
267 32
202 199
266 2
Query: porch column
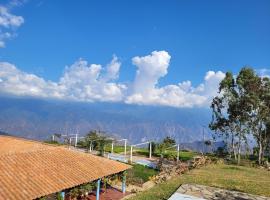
124 182
98 189
63 195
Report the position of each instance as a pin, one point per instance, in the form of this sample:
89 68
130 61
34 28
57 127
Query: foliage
52 142
139 174
96 140
168 141
241 108
82 190
153 146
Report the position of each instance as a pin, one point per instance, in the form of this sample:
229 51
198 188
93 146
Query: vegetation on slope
139 174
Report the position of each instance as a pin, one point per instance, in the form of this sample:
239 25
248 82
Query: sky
154 52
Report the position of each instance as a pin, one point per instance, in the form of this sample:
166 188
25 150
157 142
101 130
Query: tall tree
228 119
242 107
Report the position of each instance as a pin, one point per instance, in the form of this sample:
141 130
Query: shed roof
30 169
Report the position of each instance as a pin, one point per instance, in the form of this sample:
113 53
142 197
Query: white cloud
151 68
87 83
8 23
16 82
80 82
92 82
113 69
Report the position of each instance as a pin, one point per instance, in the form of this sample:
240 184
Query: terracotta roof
30 169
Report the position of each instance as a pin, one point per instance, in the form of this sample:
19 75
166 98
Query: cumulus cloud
8 23
80 82
151 68
15 82
92 82
87 83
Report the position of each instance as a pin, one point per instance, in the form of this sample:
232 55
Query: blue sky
199 36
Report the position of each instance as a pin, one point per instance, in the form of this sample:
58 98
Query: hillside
38 119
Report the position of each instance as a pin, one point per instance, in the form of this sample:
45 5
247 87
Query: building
31 169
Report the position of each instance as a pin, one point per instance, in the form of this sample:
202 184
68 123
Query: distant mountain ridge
38 119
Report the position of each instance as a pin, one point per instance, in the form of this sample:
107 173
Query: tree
97 140
91 139
228 116
101 143
256 91
168 141
242 107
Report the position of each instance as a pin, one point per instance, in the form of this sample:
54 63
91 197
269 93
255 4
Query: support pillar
150 150
125 147
76 140
112 148
178 149
90 146
124 182
98 189
131 148
63 195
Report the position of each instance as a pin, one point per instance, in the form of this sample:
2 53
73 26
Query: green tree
255 91
228 116
242 107
168 141
92 139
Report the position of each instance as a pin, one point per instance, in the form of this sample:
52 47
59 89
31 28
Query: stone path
211 193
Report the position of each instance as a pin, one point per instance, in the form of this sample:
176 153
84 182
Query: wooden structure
31 169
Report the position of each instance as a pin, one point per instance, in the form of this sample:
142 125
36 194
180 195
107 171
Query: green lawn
139 174
116 148
244 179
183 155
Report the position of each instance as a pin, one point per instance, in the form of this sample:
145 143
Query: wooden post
98 189
124 182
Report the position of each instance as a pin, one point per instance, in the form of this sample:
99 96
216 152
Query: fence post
131 148
178 149
125 147
150 149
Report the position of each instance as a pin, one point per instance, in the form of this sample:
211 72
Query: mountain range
38 119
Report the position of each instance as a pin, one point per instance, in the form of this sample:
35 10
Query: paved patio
200 192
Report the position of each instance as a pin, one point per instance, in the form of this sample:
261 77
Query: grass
116 148
183 155
231 177
139 174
